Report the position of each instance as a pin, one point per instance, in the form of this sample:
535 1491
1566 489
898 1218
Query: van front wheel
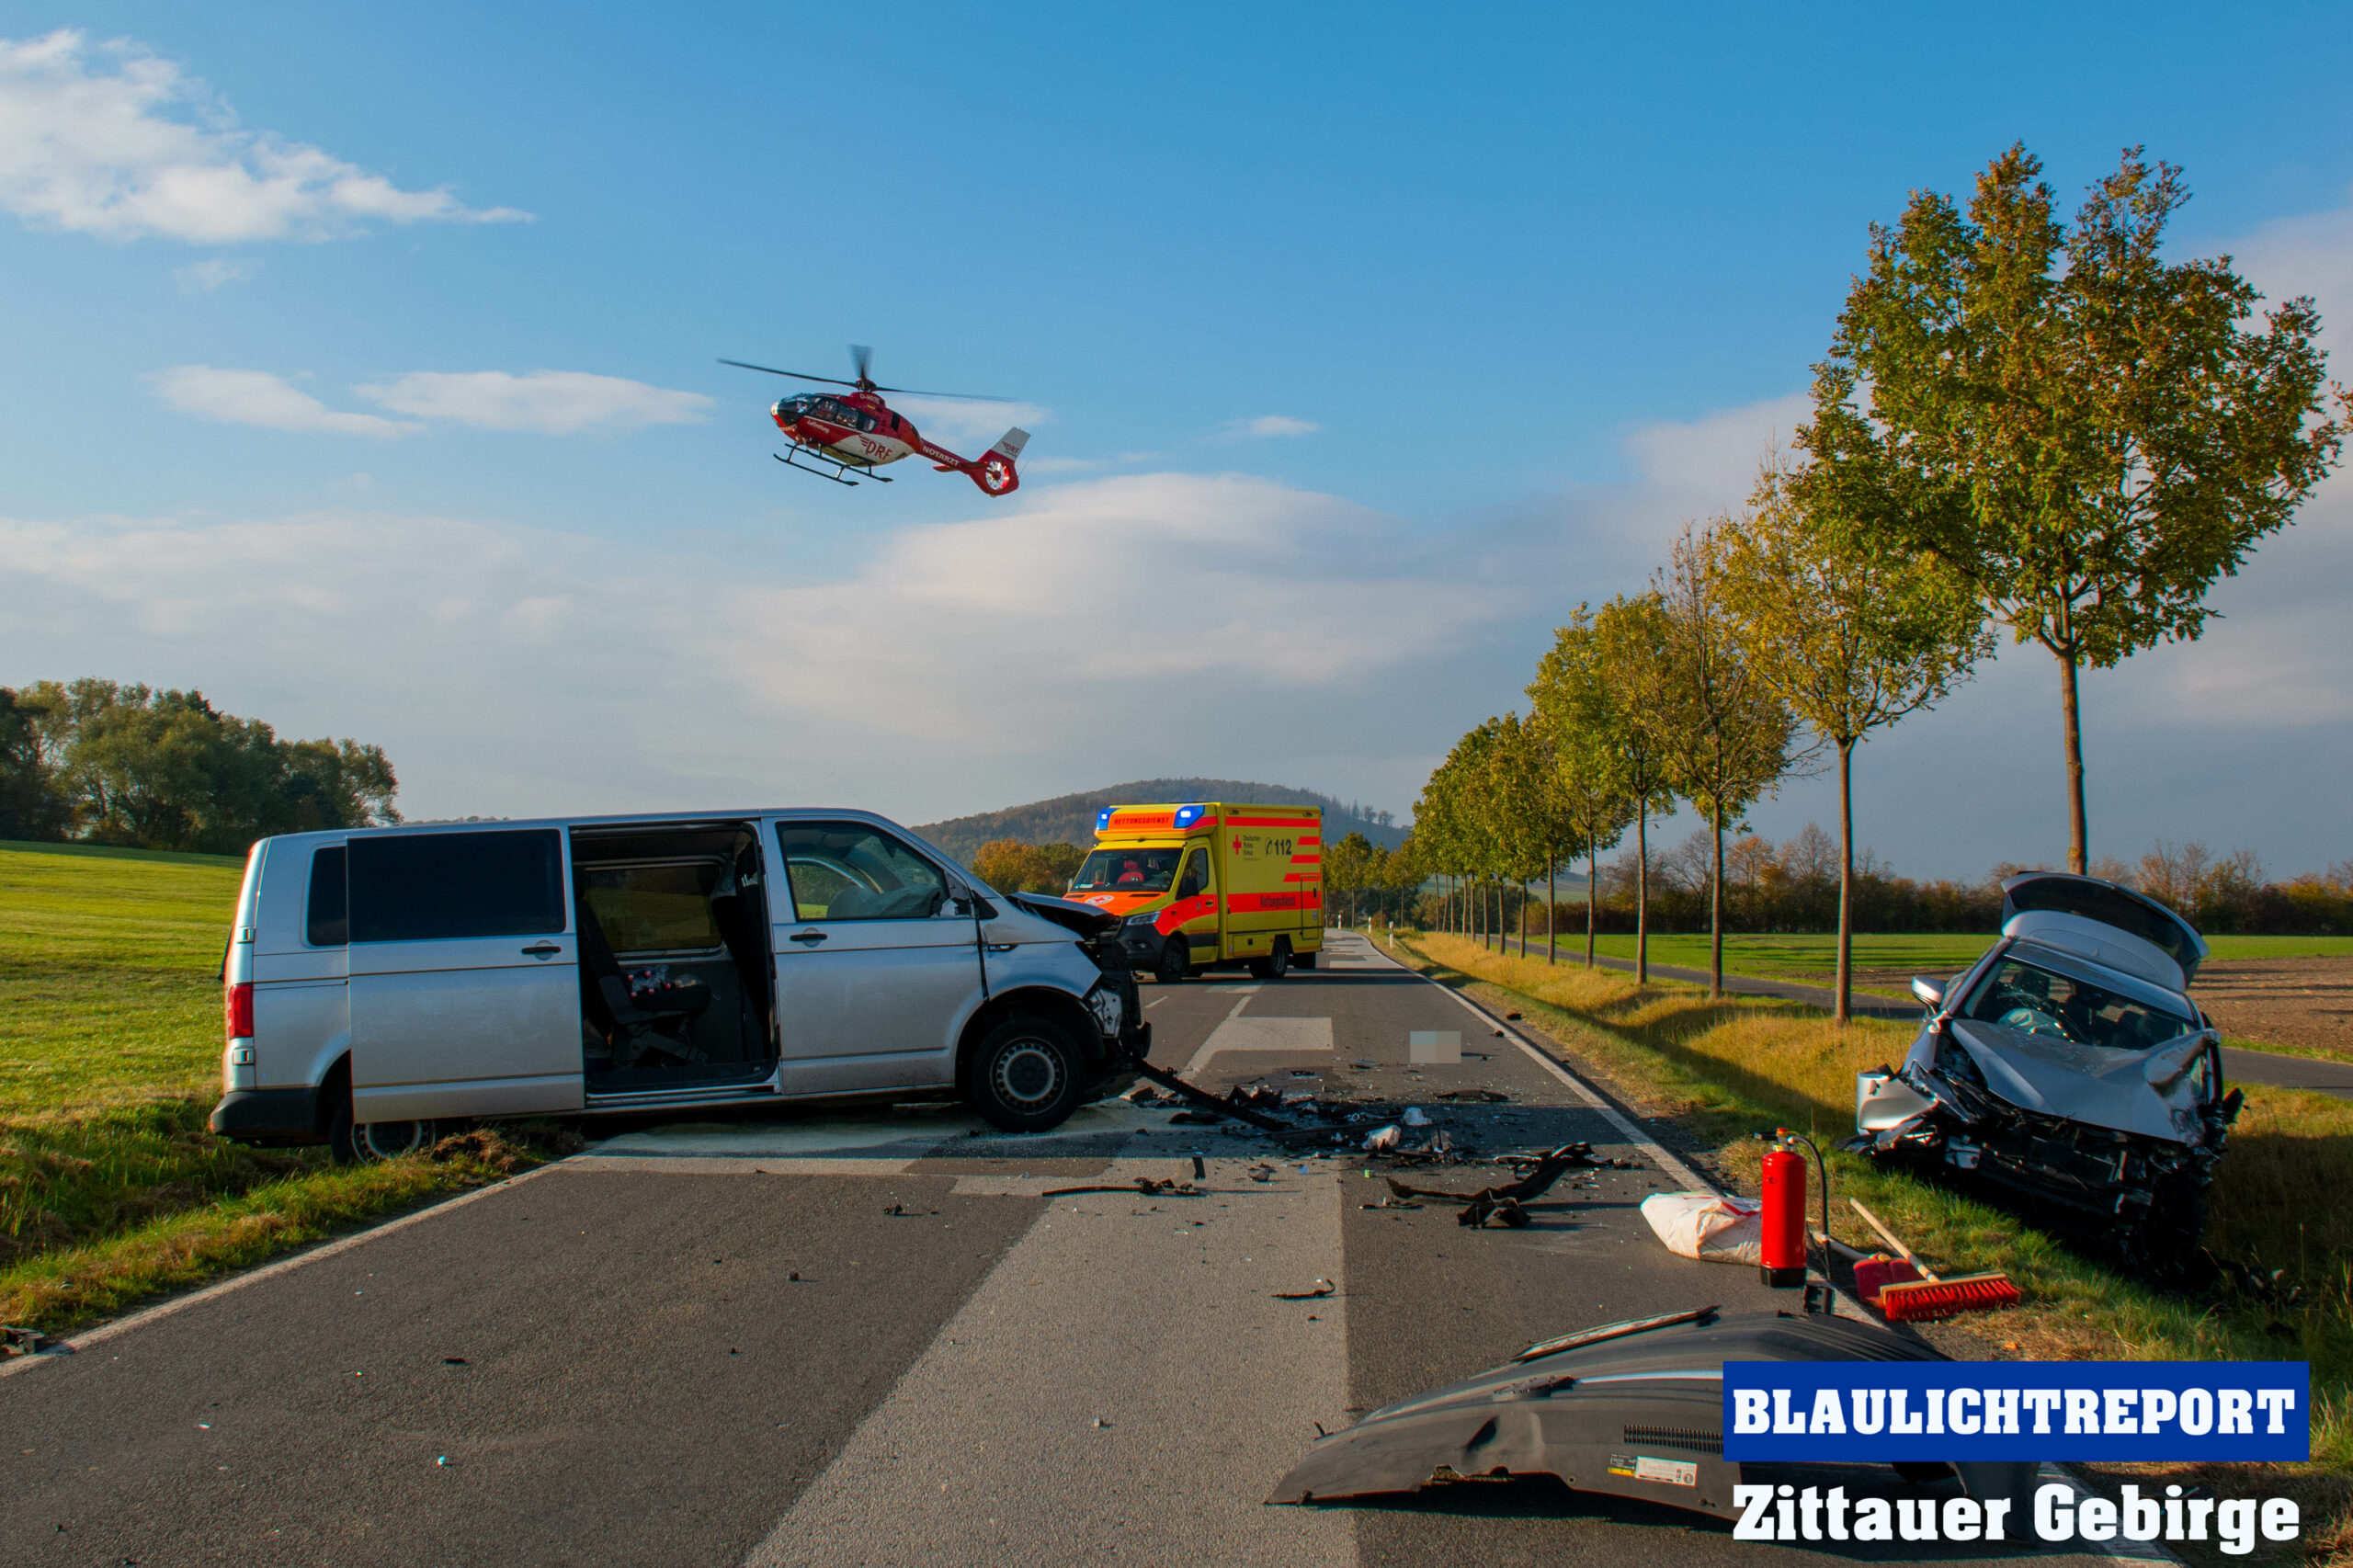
1024 1075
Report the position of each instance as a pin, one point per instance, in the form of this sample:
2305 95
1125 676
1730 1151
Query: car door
465 984
876 967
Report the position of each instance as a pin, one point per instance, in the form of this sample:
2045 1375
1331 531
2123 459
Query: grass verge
68 1287
112 1188
1718 1072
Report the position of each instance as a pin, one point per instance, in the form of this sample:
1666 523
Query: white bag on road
1709 1226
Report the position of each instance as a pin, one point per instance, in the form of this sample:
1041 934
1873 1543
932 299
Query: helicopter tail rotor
996 472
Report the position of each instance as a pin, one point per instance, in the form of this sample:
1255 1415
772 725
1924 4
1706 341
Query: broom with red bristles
1929 1298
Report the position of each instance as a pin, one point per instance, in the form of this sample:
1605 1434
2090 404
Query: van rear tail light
237 1009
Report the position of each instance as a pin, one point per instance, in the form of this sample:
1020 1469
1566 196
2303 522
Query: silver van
381 981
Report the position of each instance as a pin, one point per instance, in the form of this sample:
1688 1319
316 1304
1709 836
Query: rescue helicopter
855 432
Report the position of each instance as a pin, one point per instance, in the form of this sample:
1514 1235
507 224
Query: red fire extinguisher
1782 1263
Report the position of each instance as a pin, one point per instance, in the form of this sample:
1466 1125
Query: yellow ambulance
1210 883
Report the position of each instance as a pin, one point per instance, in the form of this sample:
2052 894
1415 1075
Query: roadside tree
2087 433
1725 732
1851 632
1631 640
1584 729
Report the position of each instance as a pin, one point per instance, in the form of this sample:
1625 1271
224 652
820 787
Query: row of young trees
128 765
2021 426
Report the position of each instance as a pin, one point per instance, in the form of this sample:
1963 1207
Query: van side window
329 921
435 886
655 908
1196 879
850 872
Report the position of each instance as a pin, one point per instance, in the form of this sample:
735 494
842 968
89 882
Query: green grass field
111 1185
1814 959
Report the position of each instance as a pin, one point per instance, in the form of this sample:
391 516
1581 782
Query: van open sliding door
465 982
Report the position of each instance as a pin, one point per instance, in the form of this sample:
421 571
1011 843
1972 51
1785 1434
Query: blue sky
1527 285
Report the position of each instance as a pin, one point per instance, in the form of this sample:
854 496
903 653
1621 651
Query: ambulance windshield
1128 870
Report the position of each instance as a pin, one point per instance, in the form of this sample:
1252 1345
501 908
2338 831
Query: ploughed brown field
2304 1001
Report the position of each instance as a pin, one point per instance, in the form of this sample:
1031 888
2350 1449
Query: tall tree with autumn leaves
2089 434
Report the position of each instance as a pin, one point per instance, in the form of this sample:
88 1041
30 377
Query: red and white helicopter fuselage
859 430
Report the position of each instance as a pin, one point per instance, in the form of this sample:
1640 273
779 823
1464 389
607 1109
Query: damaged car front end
2068 1070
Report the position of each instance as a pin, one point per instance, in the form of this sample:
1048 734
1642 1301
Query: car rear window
435 886
329 921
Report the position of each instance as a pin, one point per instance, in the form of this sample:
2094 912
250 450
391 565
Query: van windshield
1128 870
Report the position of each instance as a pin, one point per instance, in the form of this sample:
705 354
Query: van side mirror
1927 991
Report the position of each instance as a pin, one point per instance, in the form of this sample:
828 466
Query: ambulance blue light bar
1188 815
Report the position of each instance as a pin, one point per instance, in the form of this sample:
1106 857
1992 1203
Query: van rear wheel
1024 1074
366 1142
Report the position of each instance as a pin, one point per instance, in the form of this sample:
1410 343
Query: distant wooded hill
1070 819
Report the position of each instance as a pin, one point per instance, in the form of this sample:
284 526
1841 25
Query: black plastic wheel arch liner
1592 1415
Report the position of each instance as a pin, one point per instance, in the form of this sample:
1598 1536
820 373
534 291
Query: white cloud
256 397
554 403
1157 623
112 140
1713 460
1272 424
965 421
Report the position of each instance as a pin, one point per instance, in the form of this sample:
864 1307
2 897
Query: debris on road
1542 1173
1416 1117
1260 1173
1391 1201
1206 1101
31 1342
1144 1185
1505 1211
1321 1289
1478 1097
1195 1118
1382 1140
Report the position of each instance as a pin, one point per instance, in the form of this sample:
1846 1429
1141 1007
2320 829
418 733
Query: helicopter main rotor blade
963 397
861 360
798 375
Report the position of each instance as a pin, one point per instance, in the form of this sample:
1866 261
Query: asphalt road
878 1339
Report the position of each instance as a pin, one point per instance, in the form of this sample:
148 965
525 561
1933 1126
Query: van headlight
1145 918
1109 1011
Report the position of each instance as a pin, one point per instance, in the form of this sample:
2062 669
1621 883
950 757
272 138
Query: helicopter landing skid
837 477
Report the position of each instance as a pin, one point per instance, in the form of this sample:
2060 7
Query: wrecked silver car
2068 1068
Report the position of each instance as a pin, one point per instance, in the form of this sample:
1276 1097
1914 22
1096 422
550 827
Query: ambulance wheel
1024 1074
1175 963
1276 964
